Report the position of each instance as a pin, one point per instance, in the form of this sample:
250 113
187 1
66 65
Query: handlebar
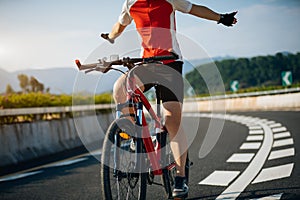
104 66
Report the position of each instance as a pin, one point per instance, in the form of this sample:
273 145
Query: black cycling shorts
167 79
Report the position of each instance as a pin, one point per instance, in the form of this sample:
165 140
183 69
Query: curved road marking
239 185
254 173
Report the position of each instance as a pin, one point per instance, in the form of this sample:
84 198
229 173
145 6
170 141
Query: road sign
286 77
234 85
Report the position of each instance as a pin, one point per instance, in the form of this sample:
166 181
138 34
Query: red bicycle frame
139 100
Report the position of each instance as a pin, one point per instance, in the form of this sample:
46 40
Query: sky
38 34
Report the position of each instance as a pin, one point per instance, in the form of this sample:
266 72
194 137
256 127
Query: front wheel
119 176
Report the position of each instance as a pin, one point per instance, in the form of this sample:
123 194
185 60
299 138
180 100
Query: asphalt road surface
255 156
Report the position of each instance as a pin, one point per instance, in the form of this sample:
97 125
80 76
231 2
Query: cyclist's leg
172 97
178 141
120 94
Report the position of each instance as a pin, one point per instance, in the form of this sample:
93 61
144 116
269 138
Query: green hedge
47 100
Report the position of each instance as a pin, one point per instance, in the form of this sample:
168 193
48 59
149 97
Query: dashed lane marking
263 136
37 170
239 185
282 135
284 142
273 173
272 197
280 129
241 157
255 138
250 145
270 122
67 162
254 127
19 176
275 125
220 178
282 153
256 131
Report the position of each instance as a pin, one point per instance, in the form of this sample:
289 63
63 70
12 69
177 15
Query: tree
24 82
257 71
40 87
34 83
9 89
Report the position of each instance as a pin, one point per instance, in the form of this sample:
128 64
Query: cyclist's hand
228 19
105 36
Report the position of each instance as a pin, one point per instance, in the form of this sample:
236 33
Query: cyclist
155 23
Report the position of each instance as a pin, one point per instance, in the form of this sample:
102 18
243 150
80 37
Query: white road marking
67 162
283 142
241 157
255 138
282 153
220 178
273 173
254 127
18 176
275 125
280 129
250 145
254 172
37 170
241 182
282 135
96 152
272 197
270 122
259 131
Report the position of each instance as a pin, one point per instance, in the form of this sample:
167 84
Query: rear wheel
120 178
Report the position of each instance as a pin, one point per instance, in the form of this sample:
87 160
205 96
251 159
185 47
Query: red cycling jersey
155 22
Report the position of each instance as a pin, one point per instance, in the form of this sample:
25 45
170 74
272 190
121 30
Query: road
256 156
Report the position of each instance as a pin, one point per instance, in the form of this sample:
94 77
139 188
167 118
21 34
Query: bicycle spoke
120 181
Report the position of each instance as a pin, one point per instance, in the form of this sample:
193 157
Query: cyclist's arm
116 31
204 12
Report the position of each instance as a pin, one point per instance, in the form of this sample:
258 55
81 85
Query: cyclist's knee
119 90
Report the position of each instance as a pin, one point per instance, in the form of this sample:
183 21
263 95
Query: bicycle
132 155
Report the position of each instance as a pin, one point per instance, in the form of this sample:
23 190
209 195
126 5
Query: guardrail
17 115
45 110
88 108
248 94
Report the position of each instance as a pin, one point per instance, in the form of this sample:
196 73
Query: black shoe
181 189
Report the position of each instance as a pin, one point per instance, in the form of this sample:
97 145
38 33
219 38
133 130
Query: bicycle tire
119 182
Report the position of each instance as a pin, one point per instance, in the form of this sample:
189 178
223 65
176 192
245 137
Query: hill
7 78
250 72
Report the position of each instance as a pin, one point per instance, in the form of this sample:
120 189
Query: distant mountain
7 78
286 53
62 80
